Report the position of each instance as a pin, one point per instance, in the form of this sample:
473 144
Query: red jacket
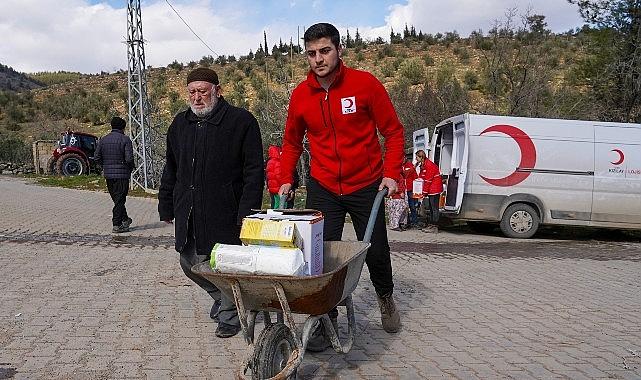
409 173
432 182
272 169
341 126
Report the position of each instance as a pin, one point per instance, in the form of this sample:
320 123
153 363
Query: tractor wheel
51 166
520 221
273 349
71 164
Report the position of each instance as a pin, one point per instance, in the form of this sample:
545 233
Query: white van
523 172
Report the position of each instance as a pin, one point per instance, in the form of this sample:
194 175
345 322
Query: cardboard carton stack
296 234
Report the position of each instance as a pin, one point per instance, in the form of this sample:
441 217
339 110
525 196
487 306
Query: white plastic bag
228 258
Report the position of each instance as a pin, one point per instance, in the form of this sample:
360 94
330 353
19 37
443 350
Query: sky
88 35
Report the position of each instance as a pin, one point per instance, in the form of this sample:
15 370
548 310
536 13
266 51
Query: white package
228 258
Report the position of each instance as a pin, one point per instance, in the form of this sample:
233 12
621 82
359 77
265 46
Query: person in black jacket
212 179
115 154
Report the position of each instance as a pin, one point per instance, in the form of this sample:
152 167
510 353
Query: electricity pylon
147 162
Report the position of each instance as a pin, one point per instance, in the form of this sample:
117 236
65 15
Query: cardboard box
277 233
309 224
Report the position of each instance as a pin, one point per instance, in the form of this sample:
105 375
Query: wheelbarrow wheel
272 351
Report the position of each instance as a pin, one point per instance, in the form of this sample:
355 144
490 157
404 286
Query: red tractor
74 154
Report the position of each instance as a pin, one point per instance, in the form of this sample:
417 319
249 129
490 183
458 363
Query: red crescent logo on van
621 157
528 155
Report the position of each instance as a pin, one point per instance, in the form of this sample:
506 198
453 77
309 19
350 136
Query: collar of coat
216 115
118 130
312 80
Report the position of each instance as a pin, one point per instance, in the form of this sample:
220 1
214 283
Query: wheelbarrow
279 349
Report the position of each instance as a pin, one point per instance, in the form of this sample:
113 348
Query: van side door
450 153
617 176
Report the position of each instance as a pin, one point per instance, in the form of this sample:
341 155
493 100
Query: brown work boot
390 318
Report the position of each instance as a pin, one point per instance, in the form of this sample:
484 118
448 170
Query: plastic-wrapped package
228 258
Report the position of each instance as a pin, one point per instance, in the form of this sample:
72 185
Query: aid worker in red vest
432 189
341 110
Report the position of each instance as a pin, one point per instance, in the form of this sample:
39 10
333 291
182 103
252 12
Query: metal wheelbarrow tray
315 295
279 350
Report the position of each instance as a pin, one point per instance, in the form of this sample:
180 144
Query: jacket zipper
331 122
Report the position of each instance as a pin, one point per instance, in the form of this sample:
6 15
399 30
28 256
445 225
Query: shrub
388 69
175 65
388 51
462 53
471 80
412 70
13 149
176 104
112 86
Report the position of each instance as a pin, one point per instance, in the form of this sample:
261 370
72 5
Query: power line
185 22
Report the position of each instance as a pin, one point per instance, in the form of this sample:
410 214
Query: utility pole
146 173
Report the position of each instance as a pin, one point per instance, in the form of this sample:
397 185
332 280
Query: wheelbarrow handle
372 216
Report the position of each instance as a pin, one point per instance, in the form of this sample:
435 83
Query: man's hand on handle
285 189
391 185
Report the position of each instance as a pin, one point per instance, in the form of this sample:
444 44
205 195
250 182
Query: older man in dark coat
213 177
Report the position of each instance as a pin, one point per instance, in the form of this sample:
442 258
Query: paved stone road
77 302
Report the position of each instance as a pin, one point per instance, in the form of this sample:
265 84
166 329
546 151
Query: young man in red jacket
341 109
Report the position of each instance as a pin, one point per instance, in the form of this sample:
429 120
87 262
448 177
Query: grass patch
96 182
93 182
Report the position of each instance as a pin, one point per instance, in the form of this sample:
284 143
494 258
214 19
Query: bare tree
612 67
515 72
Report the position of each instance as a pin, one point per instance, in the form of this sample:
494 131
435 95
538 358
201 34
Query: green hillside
521 71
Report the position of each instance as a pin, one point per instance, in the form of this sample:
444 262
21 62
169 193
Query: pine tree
358 40
266 46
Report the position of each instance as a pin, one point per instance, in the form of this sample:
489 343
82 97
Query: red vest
409 173
432 182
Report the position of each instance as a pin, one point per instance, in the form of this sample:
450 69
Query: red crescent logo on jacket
528 156
348 105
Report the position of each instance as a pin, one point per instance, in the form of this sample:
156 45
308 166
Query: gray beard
204 112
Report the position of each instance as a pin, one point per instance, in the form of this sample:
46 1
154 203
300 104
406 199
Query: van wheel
520 221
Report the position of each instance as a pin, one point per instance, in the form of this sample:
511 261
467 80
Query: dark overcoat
115 153
214 172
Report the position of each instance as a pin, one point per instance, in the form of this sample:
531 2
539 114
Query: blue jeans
413 203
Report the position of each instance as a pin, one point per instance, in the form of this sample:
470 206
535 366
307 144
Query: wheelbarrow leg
287 313
242 312
332 330
247 325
